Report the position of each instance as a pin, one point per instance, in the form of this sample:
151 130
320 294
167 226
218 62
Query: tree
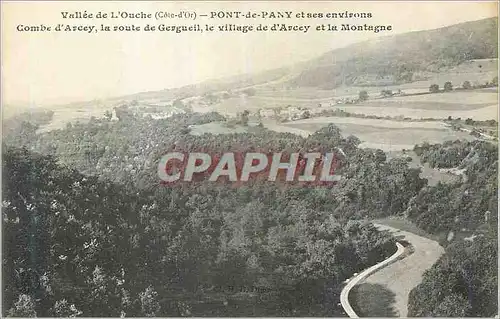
258 115
467 85
386 93
108 115
244 117
363 95
380 156
448 86
178 104
24 307
185 130
211 98
495 81
62 308
124 113
434 88
250 91
150 306
475 133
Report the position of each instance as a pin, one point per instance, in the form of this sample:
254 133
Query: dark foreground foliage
77 245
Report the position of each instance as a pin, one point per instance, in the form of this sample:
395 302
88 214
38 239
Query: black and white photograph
249 159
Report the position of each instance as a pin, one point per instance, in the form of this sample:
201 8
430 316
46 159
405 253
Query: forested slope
464 282
77 245
400 58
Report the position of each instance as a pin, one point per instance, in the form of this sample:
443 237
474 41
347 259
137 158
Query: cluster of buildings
346 100
289 113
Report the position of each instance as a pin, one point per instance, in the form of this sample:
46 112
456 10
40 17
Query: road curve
402 276
344 294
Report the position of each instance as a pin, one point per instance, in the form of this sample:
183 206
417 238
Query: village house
266 112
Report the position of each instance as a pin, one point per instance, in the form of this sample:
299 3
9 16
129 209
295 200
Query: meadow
217 128
384 134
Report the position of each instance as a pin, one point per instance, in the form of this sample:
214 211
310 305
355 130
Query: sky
60 67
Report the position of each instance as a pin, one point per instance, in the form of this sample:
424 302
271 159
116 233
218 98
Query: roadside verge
344 295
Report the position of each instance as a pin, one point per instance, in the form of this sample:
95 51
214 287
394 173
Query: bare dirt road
402 276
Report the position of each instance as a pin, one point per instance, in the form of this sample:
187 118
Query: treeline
338 112
466 85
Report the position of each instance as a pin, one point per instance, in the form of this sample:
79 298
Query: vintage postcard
249 158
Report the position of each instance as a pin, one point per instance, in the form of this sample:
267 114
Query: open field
468 97
480 104
384 134
479 114
217 128
457 100
371 122
273 126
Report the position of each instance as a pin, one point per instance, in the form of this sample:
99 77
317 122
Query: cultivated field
453 101
384 134
479 104
432 125
217 128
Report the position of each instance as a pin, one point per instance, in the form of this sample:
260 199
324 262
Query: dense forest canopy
74 240
464 282
89 231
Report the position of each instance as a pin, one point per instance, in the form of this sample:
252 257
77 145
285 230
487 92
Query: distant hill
223 84
384 61
402 58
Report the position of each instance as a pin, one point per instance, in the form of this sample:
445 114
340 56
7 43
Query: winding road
344 295
401 276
